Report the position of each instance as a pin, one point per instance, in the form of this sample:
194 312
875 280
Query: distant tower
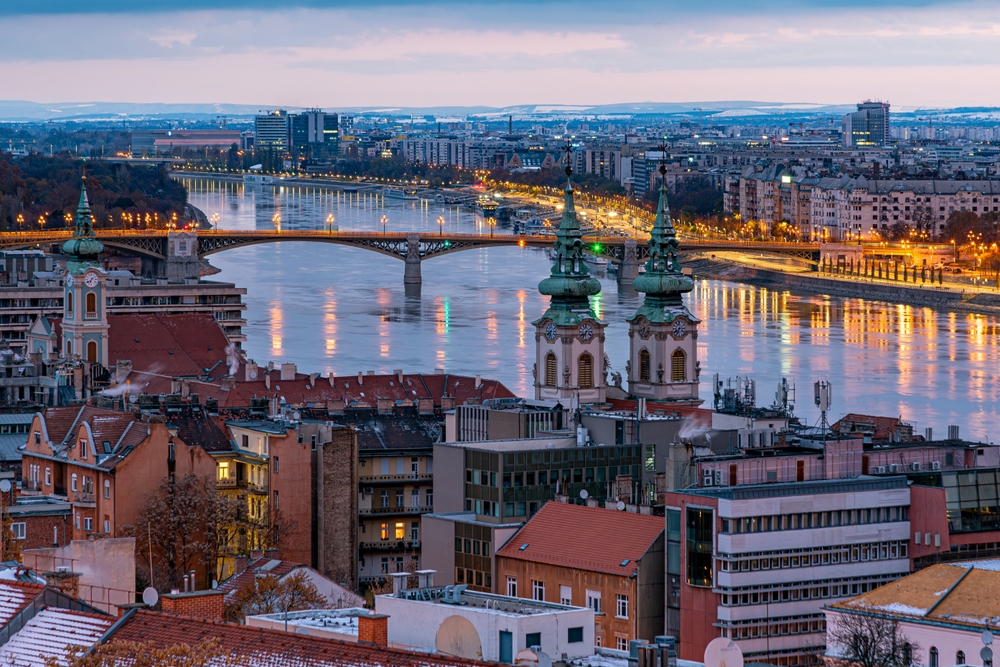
663 349
569 337
85 320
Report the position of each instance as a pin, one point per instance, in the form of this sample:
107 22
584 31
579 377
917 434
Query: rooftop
50 634
585 538
490 603
751 491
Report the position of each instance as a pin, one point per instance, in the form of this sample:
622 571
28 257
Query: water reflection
337 309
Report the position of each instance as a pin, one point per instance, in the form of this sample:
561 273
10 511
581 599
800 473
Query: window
400 530
385 566
246 442
700 522
69 304
594 601
621 606
275 465
48 476
83 449
621 643
276 508
18 529
415 466
677 363
532 639
512 587
538 590
574 635
415 530
384 531
73 482
91 303
92 351
107 526
551 370
429 498
585 371
88 524
385 466
934 662
385 499
566 595
399 498
644 365
960 658
415 498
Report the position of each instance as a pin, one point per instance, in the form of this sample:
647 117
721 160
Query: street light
330 220
385 221
440 225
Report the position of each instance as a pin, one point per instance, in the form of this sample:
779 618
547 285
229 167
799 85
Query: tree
867 640
270 595
134 654
899 231
185 525
11 545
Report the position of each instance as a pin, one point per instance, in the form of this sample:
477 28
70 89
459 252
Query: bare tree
135 654
869 640
270 595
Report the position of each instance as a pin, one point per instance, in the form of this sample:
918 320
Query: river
329 308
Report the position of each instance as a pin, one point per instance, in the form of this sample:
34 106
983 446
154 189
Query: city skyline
337 54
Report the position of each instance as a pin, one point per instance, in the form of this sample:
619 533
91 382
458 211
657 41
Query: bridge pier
629 268
411 274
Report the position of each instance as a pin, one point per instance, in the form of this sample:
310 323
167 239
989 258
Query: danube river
334 309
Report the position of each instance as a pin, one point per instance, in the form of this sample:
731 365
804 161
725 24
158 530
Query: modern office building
868 126
313 133
271 131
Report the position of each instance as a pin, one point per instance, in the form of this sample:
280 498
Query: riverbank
986 302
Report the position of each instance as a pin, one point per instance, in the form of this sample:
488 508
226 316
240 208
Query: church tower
663 334
569 337
85 320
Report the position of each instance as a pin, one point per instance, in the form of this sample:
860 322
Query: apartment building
758 563
608 560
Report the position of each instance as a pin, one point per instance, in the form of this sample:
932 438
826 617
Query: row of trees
41 192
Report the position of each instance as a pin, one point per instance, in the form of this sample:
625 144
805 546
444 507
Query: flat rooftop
483 602
341 621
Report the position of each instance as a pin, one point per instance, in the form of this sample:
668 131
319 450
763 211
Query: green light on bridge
596 247
447 244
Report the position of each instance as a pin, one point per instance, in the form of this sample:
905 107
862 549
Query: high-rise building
272 130
313 132
868 126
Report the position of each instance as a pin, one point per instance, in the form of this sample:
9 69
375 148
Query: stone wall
336 502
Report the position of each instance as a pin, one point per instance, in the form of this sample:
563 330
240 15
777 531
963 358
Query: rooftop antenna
823 397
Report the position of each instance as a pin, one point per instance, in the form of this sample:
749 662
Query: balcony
389 511
390 545
229 483
31 487
395 479
84 499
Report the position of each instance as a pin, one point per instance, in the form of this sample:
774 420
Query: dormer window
83 449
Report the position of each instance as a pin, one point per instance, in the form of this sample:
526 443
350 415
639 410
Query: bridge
154 246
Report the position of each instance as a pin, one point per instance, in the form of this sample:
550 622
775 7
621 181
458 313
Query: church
570 363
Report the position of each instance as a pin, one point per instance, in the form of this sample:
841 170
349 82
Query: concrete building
271 131
504 419
482 626
868 126
147 143
757 563
608 560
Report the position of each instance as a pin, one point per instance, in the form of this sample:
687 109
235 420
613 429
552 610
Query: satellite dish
131 398
296 416
584 494
4 485
723 652
987 637
620 505
150 597
986 654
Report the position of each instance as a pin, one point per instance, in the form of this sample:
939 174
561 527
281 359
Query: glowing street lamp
440 225
385 221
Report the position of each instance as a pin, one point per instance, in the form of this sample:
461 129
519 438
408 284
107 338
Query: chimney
287 372
331 377
399 375
270 366
312 380
426 578
273 554
208 605
267 380
361 378
123 367
256 554
227 383
240 565
562 498
373 630
370 373
250 372
175 386
399 580
479 380
185 387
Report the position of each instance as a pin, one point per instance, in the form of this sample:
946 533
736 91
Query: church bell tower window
677 362
585 371
551 370
644 366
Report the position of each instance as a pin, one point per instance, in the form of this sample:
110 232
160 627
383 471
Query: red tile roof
233 583
169 345
271 648
15 596
882 427
585 538
104 424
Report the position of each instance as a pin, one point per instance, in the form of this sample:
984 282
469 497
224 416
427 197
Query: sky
383 53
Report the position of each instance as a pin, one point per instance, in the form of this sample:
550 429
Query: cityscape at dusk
540 334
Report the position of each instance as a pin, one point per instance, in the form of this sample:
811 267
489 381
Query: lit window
400 530
384 531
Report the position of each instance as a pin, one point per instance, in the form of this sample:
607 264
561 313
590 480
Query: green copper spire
570 284
83 249
663 283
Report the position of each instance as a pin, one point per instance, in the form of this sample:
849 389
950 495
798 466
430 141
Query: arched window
644 365
551 370
91 303
92 351
677 363
934 662
960 658
585 371
69 349
69 302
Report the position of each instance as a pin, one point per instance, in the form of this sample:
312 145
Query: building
868 126
608 560
569 337
757 563
313 134
271 131
942 614
483 626
152 142
663 334
504 419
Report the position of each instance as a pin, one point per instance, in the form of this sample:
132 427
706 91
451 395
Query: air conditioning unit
369 491
893 467
880 470
718 478
915 465
708 478
935 465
